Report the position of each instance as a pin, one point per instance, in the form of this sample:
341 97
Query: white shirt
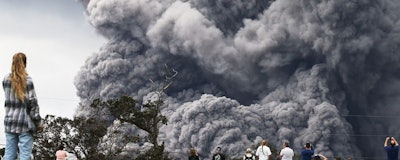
287 153
263 152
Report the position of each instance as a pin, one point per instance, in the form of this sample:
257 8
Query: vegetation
98 137
57 132
84 136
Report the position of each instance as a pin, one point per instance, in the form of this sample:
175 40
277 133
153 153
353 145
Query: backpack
249 158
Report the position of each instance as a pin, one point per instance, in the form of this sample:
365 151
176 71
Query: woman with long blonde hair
263 152
19 92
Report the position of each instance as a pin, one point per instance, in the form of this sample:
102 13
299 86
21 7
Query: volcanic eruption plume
319 71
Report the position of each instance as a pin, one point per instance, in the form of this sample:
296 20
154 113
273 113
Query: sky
57 39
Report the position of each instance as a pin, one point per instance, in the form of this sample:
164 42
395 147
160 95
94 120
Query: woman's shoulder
28 78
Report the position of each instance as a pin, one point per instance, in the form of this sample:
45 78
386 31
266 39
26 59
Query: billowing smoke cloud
251 70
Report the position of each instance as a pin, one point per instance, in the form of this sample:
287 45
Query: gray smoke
251 70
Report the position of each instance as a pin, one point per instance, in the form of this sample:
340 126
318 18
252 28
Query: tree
148 117
94 138
56 132
81 136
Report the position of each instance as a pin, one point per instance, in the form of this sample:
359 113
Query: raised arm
323 157
386 141
395 141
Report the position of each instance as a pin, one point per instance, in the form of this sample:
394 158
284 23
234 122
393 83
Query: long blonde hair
18 75
263 143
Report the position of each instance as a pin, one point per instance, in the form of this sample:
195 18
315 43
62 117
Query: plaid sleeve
31 92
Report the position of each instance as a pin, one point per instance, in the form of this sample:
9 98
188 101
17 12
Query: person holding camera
320 157
392 150
307 152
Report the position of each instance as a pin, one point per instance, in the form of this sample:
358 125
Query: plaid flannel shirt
16 118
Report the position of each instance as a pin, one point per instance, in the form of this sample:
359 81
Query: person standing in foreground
218 155
307 152
19 90
263 152
286 153
392 151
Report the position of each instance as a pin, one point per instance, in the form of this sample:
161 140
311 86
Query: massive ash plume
248 70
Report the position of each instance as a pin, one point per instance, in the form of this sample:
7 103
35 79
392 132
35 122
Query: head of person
392 142
218 150
285 144
192 152
264 142
248 151
308 145
18 75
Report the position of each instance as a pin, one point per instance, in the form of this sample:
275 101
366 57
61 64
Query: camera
317 157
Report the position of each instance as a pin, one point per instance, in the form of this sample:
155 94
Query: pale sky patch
57 39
